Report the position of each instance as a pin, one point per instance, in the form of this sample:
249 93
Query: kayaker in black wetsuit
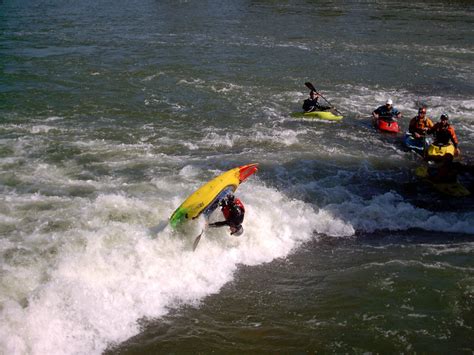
311 104
234 212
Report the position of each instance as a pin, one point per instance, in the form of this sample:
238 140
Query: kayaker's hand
457 152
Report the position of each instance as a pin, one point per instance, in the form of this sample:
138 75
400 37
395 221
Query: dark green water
112 112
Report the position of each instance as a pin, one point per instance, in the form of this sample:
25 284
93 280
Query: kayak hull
418 145
439 152
318 115
204 199
387 126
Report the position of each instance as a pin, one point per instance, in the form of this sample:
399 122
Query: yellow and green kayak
319 115
206 198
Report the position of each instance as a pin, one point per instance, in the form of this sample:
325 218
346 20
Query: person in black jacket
234 211
311 104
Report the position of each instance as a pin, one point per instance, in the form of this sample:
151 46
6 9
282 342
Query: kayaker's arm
453 137
218 224
455 141
394 113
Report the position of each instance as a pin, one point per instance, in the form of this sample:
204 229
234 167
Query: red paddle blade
247 170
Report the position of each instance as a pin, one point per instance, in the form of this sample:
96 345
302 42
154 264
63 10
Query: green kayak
318 115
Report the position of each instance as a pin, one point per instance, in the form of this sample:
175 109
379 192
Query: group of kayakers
420 129
436 142
421 126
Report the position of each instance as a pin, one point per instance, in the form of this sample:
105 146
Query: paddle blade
196 241
310 86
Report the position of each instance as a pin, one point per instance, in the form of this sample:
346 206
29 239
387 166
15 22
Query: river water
112 112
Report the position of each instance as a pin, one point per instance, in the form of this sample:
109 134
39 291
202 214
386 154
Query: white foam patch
214 139
54 118
154 76
190 171
447 249
226 88
192 82
285 137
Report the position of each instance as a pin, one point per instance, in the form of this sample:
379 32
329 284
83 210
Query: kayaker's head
444 119
421 112
237 230
313 94
389 103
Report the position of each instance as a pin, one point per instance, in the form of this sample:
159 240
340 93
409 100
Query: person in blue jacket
386 112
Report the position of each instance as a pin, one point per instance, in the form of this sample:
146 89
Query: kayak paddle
196 241
312 88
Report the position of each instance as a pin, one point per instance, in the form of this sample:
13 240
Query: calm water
112 112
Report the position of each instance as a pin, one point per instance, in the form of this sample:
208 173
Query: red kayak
387 126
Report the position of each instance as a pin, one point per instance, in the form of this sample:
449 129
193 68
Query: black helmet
444 116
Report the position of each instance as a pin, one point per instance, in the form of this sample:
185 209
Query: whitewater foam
109 271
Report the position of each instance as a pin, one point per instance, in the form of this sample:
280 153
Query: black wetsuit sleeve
219 224
235 219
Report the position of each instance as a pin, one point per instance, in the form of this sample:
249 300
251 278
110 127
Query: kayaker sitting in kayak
234 212
444 133
311 104
420 124
386 112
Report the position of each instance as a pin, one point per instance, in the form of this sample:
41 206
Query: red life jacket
229 210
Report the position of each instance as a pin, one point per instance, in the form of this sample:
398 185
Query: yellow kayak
439 151
206 198
319 115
